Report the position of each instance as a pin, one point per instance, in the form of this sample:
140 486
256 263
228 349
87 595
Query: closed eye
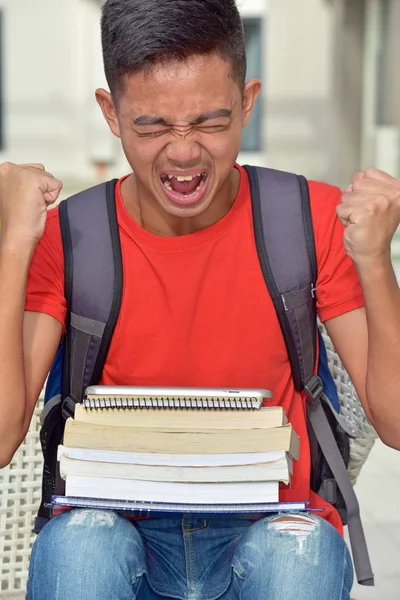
212 128
153 134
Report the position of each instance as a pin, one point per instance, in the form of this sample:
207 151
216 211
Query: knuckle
383 202
359 185
371 172
345 197
7 166
393 193
37 166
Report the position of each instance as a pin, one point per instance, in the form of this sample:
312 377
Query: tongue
185 187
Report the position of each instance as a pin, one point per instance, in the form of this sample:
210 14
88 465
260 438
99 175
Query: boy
195 310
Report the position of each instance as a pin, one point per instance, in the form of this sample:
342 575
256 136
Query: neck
149 215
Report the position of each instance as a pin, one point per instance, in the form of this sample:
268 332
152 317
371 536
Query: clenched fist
25 193
370 211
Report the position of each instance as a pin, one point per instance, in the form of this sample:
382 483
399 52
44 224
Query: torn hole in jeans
299 534
92 518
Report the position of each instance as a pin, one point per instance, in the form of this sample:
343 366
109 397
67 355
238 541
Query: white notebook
128 397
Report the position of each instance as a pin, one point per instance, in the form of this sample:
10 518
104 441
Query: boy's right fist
26 191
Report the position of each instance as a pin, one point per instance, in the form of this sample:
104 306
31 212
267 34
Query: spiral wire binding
171 402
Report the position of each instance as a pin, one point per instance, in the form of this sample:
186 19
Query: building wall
393 72
366 86
387 146
258 9
52 65
298 80
254 8
348 88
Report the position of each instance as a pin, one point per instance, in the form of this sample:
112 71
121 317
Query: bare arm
368 341
28 341
382 297
350 337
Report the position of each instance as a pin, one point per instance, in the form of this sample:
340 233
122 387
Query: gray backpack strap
323 433
286 248
279 206
93 287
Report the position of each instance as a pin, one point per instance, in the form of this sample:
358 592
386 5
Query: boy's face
181 124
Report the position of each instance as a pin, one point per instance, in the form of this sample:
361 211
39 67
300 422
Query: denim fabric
93 555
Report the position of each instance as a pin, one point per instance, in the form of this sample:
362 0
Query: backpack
93 290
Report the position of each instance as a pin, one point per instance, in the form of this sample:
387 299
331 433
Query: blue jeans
94 555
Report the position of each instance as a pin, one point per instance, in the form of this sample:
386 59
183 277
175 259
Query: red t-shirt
196 310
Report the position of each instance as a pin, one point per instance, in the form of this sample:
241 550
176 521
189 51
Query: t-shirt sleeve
338 286
45 287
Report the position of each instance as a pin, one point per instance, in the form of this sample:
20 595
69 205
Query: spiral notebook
126 397
150 509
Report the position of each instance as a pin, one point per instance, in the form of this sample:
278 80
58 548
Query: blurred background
330 106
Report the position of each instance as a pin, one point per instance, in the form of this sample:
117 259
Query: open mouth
185 190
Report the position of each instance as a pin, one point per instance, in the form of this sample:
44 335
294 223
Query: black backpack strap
93 287
286 248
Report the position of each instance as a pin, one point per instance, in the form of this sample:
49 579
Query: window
252 135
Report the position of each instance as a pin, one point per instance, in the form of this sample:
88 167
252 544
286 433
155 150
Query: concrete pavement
378 491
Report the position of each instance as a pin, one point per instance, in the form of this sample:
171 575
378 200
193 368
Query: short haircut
138 34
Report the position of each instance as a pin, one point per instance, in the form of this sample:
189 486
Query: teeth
184 177
168 185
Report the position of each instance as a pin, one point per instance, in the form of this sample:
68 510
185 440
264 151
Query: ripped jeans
93 555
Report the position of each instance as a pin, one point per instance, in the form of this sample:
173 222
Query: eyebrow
215 114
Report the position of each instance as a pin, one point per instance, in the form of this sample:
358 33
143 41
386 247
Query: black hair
137 34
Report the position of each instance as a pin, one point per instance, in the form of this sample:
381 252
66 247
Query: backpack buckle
68 408
314 389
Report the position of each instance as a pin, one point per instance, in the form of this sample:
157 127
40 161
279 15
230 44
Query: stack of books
139 454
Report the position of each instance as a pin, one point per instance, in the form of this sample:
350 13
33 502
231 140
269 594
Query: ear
251 92
106 103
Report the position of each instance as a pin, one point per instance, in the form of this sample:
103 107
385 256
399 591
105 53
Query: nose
183 151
